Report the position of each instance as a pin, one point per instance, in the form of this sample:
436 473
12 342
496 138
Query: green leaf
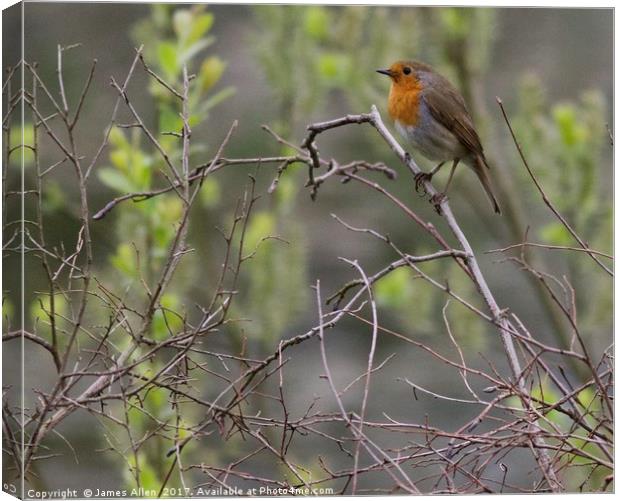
170 209
194 119
164 320
333 67
194 49
16 142
394 289
217 98
211 71
120 159
288 151
114 179
125 260
202 24
54 198
117 137
566 120
169 119
182 24
141 176
8 310
149 478
41 306
167 58
262 225
288 188
556 234
455 22
156 399
546 394
161 14
588 399
328 65
210 193
316 22
161 238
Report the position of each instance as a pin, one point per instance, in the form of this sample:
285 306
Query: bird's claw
436 200
420 178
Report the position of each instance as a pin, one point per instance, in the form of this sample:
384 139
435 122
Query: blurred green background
287 67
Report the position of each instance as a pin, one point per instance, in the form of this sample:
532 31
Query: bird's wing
448 108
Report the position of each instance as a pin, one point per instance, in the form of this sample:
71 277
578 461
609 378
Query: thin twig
546 198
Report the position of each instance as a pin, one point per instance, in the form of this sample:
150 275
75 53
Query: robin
431 114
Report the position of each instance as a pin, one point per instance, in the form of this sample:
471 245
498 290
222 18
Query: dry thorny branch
98 367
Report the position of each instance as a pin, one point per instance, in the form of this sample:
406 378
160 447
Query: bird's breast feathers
430 137
404 103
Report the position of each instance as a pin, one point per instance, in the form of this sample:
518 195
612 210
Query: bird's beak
389 73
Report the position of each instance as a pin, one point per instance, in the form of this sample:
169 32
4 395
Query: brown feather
448 108
480 167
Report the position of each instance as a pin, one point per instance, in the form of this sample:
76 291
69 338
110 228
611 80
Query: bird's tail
481 167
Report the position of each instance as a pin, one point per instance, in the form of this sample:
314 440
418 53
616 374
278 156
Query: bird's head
404 74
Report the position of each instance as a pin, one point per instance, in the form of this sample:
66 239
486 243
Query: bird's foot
437 200
420 178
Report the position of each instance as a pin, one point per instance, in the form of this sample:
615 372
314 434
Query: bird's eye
406 70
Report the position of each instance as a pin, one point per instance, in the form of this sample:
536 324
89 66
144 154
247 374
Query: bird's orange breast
404 102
